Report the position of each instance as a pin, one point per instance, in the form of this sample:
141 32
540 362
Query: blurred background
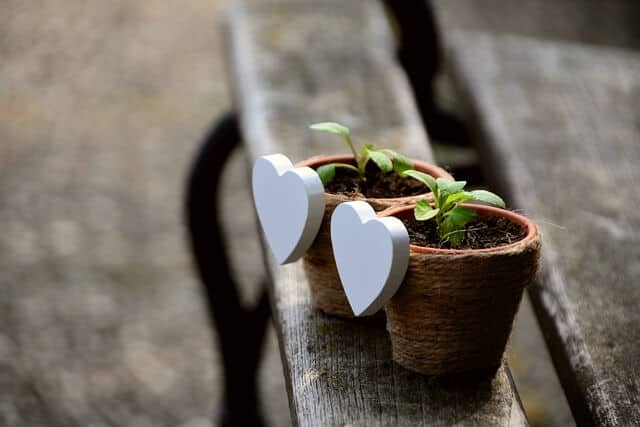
102 105
102 321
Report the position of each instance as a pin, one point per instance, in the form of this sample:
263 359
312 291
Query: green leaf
381 160
337 128
427 180
423 210
365 150
331 127
346 166
487 197
363 157
452 199
452 226
461 215
400 165
440 198
326 173
451 187
400 162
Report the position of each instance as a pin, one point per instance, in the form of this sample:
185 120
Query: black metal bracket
420 56
240 330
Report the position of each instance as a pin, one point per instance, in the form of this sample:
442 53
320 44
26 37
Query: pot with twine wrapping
326 290
455 307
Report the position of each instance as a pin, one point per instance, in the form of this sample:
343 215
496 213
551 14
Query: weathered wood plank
297 62
294 63
559 127
611 22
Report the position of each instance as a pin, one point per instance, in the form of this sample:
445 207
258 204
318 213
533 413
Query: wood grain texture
610 23
559 127
294 63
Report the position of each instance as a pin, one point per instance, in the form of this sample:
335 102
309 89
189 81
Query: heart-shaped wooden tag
371 253
290 204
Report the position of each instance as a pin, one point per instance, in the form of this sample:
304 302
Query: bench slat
559 126
610 23
294 63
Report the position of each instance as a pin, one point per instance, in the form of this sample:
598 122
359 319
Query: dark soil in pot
377 184
484 233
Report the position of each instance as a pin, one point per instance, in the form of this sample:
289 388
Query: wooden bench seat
605 23
294 63
558 125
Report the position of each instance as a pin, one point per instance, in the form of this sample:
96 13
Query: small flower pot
326 290
455 308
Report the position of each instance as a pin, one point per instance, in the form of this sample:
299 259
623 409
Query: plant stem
436 202
358 161
347 138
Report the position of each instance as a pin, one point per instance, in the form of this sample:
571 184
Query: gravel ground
102 321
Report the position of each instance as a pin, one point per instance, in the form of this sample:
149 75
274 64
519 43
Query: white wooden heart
290 204
371 253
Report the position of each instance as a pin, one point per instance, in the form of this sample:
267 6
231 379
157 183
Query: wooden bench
604 23
559 126
292 63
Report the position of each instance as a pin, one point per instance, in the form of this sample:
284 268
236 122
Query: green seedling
447 211
385 159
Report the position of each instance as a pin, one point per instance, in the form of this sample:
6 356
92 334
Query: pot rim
484 210
428 168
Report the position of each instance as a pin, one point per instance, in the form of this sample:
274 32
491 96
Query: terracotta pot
455 308
326 290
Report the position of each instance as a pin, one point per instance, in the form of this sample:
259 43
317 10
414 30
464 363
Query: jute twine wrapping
454 311
326 290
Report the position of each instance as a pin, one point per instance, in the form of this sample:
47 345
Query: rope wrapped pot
455 308
326 290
